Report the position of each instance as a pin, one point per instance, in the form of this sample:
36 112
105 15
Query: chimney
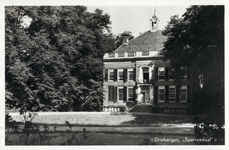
125 37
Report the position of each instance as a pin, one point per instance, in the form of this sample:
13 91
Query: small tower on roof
154 22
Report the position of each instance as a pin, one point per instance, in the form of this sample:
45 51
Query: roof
148 41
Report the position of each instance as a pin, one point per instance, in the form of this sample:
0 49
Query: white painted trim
186 88
161 87
173 93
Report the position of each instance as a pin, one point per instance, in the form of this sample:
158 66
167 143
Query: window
172 94
184 72
130 93
120 93
161 73
111 74
131 74
183 94
145 53
120 74
145 75
161 94
171 74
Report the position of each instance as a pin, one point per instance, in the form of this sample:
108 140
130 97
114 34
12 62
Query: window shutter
156 94
110 93
134 91
188 73
115 74
115 93
166 94
106 74
177 94
188 94
125 75
125 94
166 73
156 73
134 74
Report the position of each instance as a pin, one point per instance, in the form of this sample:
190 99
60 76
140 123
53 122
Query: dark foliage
196 40
55 63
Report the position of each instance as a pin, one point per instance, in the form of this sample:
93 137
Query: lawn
109 119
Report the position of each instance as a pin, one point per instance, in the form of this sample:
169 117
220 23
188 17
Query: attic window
111 55
131 54
120 54
145 53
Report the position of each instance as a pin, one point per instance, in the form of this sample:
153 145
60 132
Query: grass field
109 119
105 139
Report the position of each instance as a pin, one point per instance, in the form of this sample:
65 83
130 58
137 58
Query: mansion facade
136 74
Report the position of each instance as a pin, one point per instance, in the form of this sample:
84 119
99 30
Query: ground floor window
120 93
183 94
161 94
130 93
172 94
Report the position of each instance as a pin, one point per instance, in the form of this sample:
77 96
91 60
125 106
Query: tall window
161 94
145 75
184 72
111 74
183 94
172 94
171 74
131 74
120 93
161 73
120 74
130 93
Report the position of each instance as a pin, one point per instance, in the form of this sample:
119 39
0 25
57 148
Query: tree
55 61
196 40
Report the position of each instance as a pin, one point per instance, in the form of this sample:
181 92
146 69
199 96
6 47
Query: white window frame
159 75
120 87
109 71
159 88
119 70
128 74
186 94
128 92
172 93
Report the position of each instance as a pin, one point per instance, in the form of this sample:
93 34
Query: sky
137 18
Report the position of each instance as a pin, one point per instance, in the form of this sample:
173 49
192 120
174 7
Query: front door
146 96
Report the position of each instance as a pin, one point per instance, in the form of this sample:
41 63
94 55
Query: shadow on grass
149 120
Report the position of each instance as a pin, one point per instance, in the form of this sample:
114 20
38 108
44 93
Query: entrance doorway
145 90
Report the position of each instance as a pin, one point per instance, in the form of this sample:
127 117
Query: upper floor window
183 94
131 74
161 94
145 75
120 74
161 73
172 94
111 74
171 74
184 72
